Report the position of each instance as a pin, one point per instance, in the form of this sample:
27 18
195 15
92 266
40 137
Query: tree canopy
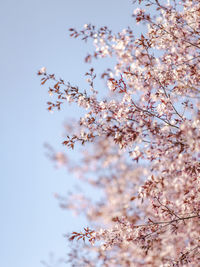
141 140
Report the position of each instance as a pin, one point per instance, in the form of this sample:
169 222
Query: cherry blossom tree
141 141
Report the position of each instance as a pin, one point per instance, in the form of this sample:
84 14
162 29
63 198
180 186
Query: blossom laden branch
142 140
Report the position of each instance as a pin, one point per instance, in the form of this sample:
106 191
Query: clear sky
34 34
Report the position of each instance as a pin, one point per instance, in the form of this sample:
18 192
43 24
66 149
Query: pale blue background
33 34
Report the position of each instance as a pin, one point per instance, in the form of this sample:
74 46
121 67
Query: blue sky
34 33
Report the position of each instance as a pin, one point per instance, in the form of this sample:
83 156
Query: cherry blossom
141 152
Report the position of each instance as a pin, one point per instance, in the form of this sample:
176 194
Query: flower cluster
143 141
